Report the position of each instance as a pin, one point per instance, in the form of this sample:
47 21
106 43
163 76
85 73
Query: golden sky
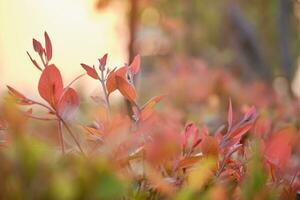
78 33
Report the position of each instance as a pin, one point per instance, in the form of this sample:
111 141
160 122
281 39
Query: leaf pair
122 80
44 52
91 71
235 133
63 100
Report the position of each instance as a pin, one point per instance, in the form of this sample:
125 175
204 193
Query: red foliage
169 155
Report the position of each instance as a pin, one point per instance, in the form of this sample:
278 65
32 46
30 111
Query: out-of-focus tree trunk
284 29
132 29
191 21
132 26
247 45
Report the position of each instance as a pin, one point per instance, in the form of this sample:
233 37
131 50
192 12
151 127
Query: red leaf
102 62
34 62
148 108
48 47
37 46
51 85
135 65
278 149
21 99
68 103
240 131
90 71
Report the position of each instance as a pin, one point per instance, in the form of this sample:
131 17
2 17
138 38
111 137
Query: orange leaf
188 162
51 85
126 89
92 133
148 108
111 83
135 65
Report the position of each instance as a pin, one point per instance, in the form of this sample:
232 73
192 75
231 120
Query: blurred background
253 40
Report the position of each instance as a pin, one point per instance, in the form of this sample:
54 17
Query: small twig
61 138
43 61
40 118
102 81
72 135
43 105
77 78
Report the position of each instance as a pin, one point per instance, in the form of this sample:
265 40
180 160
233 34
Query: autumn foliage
163 149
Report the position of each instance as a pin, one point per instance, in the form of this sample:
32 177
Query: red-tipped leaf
48 46
51 85
102 62
90 71
37 46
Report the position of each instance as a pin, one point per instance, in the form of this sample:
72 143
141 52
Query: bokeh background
215 66
251 39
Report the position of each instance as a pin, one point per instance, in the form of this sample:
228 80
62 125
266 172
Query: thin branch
102 81
61 137
77 78
40 118
72 135
43 61
43 105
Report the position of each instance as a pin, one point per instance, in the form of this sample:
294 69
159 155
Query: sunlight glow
78 32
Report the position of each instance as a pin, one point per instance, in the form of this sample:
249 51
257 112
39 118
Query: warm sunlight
149 99
79 34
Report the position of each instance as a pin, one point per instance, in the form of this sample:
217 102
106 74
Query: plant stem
40 118
78 77
43 105
102 81
43 61
72 135
61 138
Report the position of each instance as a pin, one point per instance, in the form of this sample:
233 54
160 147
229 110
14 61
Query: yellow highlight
78 31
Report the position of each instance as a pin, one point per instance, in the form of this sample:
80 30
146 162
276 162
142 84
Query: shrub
148 154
